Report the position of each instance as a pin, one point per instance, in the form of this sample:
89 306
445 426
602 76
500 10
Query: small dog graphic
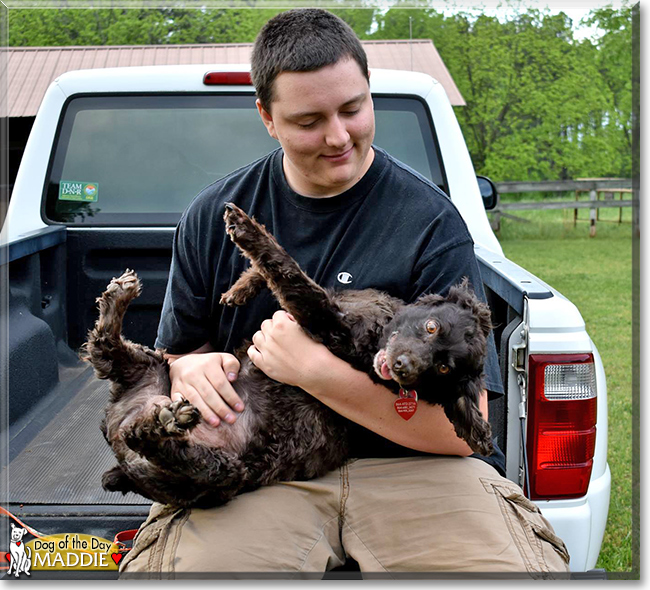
21 556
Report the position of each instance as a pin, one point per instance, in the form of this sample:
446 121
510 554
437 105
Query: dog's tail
111 355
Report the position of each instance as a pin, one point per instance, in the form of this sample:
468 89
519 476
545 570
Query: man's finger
255 355
220 395
230 366
258 339
280 315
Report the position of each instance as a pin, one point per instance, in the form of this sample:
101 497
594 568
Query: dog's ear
429 299
462 294
466 417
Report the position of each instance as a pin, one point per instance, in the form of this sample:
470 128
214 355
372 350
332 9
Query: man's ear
267 119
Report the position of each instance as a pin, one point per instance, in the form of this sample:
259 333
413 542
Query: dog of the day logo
62 551
19 555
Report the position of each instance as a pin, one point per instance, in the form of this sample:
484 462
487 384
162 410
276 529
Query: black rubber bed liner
58 454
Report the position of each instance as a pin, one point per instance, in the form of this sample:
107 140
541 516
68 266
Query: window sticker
71 190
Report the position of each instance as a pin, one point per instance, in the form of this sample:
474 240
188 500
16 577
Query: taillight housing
227 79
561 434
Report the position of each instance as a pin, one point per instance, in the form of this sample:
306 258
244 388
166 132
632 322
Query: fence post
592 214
496 220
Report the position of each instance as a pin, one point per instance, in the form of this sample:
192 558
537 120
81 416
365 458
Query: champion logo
344 277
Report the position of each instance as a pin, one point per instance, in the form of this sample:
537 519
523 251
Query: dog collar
407 403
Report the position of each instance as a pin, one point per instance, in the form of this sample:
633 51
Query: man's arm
203 377
284 352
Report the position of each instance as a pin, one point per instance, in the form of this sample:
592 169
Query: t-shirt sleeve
440 269
183 323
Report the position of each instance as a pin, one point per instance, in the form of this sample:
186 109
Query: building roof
30 70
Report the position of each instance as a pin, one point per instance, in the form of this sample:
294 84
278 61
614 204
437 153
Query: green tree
40 27
360 19
536 108
539 104
613 58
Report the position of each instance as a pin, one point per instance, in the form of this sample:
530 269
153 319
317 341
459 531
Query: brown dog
435 347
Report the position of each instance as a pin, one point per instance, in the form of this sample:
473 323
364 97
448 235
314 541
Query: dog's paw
242 229
126 286
233 297
115 480
178 417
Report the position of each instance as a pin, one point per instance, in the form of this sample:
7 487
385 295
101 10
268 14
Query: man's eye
306 125
351 113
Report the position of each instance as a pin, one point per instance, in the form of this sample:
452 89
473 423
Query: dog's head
17 533
436 342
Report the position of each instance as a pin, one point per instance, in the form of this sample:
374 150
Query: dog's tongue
385 373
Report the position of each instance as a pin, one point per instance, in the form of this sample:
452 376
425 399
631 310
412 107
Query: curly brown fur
167 453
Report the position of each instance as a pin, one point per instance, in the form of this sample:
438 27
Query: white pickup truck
114 157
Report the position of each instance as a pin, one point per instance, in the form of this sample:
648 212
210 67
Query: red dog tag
407 404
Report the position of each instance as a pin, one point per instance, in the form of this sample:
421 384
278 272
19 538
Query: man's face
325 122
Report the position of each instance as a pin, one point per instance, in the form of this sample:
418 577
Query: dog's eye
431 327
443 369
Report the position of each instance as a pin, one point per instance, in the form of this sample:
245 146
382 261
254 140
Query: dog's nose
402 365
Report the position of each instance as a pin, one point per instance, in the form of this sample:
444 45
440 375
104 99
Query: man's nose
336 133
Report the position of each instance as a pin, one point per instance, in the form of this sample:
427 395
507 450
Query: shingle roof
30 70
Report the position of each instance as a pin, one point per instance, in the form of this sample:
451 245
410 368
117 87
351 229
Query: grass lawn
596 275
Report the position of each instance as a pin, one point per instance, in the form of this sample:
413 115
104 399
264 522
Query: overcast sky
574 9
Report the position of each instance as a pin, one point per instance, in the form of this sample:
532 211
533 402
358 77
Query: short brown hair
301 40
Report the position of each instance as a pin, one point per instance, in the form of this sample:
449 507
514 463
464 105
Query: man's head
301 40
311 76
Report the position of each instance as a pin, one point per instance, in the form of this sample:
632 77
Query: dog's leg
198 478
180 486
247 286
309 303
115 480
159 423
111 355
160 441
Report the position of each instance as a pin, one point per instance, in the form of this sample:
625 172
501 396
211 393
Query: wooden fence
602 194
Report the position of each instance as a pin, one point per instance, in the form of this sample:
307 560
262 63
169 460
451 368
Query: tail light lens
561 433
227 79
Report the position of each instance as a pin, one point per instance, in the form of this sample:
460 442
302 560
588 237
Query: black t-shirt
394 231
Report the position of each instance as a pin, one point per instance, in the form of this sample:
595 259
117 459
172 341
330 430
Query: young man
412 499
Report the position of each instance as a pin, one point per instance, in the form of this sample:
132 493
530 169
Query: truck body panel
56 271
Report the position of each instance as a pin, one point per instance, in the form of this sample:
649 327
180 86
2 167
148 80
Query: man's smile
339 157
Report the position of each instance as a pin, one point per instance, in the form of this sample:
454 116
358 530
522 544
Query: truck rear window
139 160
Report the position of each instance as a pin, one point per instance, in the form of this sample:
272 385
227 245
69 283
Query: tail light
227 79
561 433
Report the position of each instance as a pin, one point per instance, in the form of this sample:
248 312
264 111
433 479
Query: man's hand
284 352
204 379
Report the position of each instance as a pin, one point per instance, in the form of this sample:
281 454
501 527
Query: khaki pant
393 516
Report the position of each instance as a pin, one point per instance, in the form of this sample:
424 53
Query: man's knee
288 527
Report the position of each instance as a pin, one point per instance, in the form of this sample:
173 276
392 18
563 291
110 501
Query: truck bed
57 457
